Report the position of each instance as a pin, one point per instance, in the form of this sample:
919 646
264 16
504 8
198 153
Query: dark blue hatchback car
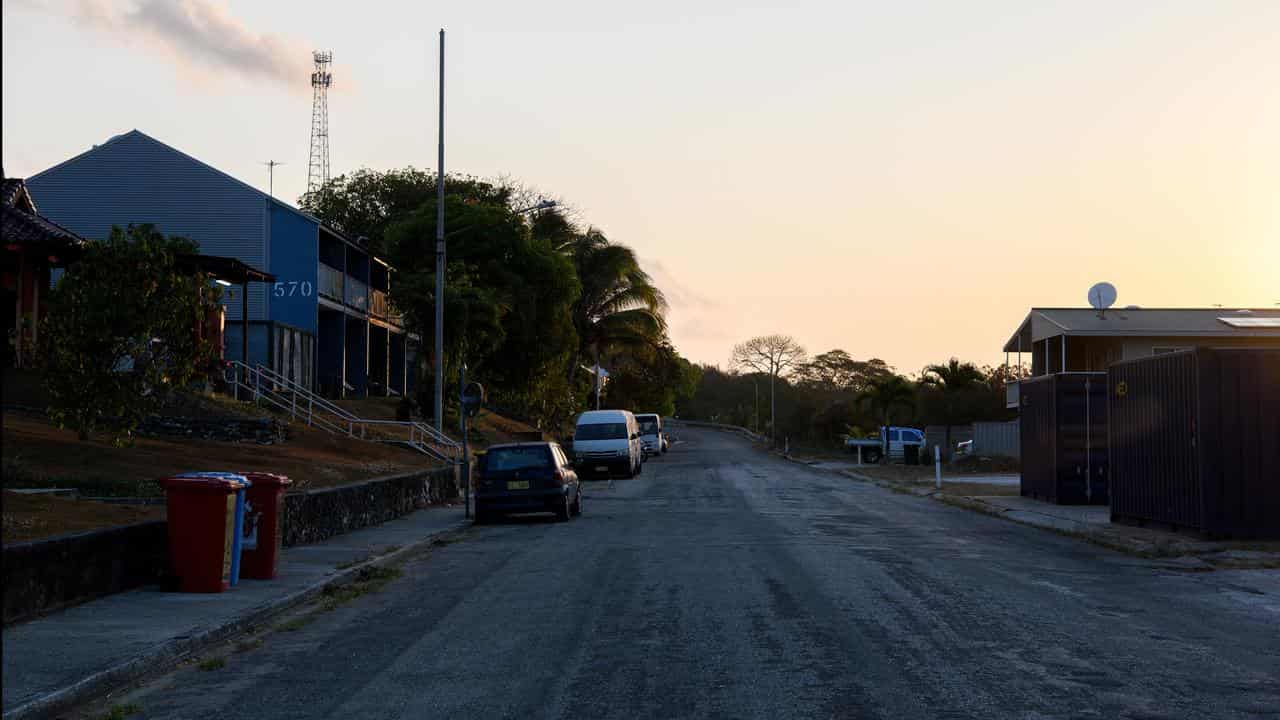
527 478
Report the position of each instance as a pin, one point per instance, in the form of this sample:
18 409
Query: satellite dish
1102 296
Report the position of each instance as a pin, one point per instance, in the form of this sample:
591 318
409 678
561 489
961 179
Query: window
516 458
648 426
895 435
602 431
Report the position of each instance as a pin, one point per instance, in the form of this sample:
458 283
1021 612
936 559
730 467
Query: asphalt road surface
724 583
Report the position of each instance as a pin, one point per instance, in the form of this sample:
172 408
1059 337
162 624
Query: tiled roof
28 228
13 189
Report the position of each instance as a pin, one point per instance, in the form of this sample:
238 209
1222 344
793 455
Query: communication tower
321 79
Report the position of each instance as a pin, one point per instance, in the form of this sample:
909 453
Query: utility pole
439 359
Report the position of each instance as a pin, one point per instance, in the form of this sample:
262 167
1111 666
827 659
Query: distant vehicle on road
652 439
606 443
525 478
873 448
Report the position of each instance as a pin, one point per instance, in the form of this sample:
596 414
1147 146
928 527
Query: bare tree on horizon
773 355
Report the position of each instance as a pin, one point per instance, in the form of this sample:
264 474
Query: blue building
325 322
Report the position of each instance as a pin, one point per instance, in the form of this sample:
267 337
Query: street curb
170 653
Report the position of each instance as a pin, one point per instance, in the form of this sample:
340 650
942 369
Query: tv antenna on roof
1102 296
271 176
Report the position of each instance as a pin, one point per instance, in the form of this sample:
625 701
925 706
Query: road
725 583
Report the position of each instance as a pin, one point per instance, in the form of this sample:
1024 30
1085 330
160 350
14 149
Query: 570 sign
292 288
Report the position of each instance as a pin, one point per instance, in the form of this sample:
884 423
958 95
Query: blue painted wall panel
259 350
293 251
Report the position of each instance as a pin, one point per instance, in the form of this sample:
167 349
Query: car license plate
602 468
518 485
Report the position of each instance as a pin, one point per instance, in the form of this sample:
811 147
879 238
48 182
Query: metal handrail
290 406
270 386
303 390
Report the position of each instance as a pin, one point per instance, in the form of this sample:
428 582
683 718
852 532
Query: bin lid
225 481
266 478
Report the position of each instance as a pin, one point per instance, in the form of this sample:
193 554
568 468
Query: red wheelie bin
263 530
203 518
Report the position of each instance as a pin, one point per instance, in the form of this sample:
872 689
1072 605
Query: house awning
228 269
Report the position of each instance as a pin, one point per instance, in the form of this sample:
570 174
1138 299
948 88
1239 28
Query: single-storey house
1087 340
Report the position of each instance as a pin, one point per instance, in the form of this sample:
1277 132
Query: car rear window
516 458
649 427
601 431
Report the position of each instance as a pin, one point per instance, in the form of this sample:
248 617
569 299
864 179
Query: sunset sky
901 180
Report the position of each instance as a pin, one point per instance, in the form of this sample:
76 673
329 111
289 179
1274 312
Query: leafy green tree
836 371
507 301
652 382
954 381
366 203
122 332
619 309
885 394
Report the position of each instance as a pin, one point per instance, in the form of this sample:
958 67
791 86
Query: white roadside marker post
937 466
859 456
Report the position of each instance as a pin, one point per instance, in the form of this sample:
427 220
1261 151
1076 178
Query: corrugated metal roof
1041 323
135 179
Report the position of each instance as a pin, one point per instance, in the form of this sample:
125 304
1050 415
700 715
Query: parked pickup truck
873 448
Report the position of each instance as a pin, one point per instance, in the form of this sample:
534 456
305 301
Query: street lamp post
439 354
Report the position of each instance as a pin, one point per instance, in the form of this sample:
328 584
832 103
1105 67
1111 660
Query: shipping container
1195 441
1063 436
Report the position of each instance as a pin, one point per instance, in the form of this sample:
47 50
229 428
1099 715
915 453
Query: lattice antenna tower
321 79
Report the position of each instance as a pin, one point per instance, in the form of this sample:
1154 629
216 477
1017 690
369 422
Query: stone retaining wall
315 515
266 431
46 575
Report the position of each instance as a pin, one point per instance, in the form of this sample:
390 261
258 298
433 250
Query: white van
607 443
651 433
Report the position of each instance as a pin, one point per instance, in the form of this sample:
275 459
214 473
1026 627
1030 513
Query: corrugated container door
1239 423
1153 408
1081 472
1038 438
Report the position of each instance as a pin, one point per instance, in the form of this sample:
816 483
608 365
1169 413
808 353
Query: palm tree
883 395
619 309
953 379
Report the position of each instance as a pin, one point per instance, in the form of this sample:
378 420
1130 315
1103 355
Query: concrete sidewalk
57 661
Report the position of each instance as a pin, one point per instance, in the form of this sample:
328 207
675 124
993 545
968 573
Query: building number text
291 288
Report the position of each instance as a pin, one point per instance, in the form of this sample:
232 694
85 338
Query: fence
936 436
996 439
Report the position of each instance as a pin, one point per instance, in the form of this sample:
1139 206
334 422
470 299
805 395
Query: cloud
678 294
200 36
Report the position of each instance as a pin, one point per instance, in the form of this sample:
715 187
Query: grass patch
296 624
119 712
243 646
213 663
368 580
